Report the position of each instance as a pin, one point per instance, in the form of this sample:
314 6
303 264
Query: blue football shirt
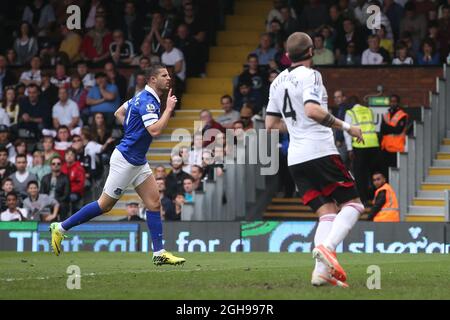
143 110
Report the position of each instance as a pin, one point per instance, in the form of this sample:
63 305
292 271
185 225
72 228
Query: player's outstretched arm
322 116
120 113
156 128
275 123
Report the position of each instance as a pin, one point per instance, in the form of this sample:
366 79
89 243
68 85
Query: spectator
314 14
131 24
102 134
20 147
428 55
413 23
188 188
50 56
350 57
6 167
93 150
394 13
7 187
210 127
49 92
77 92
22 176
60 79
13 213
132 209
265 52
229 116
40 207
167 206
92 13
322 55
160 172
70 44
25 46
402 57
174 57
75 171
9 106
195 155
246 95
360 11
85 160
276 13
121 50
384 21
350 34
174 180
34 112
87 77
328 37
246 117
34 74
160 28
95 45
277 34
144 64
4 140
48 144
375 55
184 153
138 86
117 79
196 25
385 43
146 51
281 60
11 57
7 78
178 203
254 74
197 175
393 132
342 107
290 22
364 156
41 15
39 168
65 111
211 170
192 51
385 207
57 186
103 97
63 140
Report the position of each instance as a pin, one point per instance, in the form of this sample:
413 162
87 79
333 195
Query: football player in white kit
298 104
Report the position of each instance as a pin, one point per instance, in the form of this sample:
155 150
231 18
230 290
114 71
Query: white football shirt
289 92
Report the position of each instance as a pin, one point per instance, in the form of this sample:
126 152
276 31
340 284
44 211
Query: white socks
61 229
343 223
322 231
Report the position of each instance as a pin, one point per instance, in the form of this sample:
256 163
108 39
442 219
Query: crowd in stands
59 88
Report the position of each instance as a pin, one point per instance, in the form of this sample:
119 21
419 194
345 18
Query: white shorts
122 174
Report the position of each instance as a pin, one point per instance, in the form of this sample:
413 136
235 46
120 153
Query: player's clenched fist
171 101
356 132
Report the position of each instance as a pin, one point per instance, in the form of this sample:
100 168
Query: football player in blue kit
142 120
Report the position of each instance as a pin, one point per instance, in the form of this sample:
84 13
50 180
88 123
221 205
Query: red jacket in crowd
77 176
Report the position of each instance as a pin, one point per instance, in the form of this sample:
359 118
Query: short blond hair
297 46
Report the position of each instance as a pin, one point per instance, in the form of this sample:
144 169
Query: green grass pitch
218 276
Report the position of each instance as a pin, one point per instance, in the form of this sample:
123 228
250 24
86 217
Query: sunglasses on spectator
56 163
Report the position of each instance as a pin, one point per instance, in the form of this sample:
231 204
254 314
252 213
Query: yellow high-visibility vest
363 117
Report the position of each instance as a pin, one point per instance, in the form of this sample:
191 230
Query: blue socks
88 212
155 226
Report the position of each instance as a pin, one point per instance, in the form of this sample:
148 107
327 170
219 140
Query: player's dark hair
153 70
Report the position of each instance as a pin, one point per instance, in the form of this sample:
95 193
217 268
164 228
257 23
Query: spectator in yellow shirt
70 44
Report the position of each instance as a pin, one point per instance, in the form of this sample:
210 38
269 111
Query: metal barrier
414 163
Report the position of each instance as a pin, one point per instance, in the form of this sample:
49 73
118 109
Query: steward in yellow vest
364 156
385 208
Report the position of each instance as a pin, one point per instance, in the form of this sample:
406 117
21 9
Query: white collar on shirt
150 89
